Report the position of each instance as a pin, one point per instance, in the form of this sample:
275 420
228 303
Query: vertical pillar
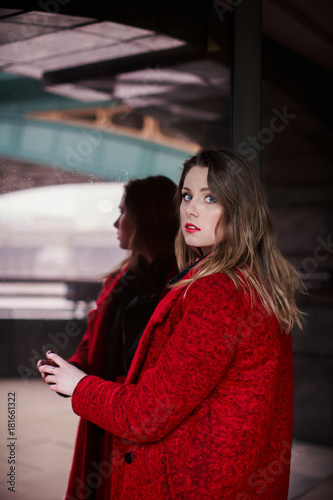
246 75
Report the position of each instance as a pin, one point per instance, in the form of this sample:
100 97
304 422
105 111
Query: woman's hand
61 376
42 362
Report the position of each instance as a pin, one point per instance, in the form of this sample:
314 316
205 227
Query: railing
46 299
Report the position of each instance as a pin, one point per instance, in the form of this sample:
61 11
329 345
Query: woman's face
199 212
125 226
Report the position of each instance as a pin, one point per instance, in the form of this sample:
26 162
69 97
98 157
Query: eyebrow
202 189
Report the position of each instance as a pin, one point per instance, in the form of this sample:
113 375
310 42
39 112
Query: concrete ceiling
303 26
167 60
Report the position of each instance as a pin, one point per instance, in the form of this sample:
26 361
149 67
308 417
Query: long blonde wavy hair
248 253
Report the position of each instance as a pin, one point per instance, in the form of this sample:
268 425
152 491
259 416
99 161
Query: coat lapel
160 313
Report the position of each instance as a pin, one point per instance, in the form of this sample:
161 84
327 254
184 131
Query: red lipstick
191 228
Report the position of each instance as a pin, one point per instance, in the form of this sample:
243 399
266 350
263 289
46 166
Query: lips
191 228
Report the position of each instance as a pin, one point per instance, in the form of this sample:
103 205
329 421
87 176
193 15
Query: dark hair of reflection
150 203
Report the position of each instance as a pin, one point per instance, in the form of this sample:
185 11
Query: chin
123 246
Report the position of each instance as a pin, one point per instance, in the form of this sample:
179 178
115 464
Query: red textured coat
206 409
92 443
89 357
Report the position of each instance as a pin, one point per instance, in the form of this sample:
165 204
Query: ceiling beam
147 60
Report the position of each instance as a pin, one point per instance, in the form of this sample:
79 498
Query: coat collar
183 273
160 313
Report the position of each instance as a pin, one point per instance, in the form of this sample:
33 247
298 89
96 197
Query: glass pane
86 103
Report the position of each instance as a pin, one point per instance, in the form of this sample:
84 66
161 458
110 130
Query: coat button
128 458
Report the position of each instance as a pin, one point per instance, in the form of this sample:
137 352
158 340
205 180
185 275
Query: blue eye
210 199
187 196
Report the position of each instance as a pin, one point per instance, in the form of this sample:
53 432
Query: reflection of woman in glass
147 226
206 410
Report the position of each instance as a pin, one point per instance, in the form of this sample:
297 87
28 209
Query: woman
206 409
147 227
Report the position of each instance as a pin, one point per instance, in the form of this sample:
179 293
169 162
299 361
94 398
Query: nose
116 224
191 209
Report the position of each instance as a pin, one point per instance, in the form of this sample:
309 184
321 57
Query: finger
50 379
59 390
58 360
42 362
47 369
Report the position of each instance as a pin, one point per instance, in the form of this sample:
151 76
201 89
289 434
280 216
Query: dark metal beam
113 67
246 78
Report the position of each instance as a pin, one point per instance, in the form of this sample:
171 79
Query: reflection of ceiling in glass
184 88
35 43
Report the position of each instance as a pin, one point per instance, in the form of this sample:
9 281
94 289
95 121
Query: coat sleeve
193 361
